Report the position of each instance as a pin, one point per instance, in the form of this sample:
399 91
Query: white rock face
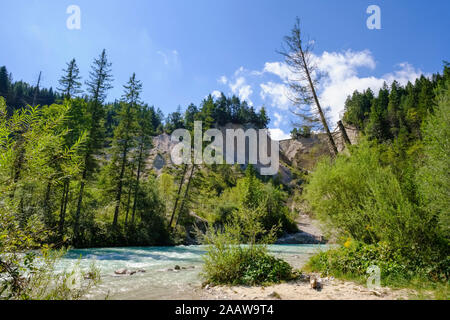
291 150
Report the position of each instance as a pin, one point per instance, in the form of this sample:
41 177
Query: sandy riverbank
301 290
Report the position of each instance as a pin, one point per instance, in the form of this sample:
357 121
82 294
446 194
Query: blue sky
183 50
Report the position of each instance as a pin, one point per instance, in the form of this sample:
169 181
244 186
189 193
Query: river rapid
160 281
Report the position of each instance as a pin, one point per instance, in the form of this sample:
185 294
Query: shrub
365 201
354 259
240 265
357 257
433 178
229 262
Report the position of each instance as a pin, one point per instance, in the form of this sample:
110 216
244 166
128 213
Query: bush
28 269
238 265
433 178
357 257
353 260
229 262
364 200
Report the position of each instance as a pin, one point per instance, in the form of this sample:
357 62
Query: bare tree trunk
36 90
130 190
47 202
62 214
344 133
80 200
186 192
178 195
120 185
332 145
136 188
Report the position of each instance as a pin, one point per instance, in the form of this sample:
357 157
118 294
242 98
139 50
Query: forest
78 165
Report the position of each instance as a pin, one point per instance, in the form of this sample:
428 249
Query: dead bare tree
303 82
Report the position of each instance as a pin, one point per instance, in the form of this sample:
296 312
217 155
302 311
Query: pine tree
69 82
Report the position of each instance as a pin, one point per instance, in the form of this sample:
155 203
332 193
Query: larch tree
144 141
99 83
69 82
125 134
299 58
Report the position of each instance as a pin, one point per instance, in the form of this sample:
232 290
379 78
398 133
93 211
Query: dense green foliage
27 269
93 185
229 262
217 112
221 199
355 258
389 194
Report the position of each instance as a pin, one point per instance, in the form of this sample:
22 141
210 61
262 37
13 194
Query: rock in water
121 271
177 268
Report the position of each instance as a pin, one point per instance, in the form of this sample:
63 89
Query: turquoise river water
160 280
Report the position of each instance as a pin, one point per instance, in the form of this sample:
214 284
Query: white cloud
277 93
279 119
216 94
242 89
223 80
278 134
239 71
278 68
404 74
341 79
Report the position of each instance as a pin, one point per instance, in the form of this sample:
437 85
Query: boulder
121 271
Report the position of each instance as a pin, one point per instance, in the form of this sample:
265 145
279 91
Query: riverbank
332 289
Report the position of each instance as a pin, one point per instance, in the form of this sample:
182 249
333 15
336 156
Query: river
159 281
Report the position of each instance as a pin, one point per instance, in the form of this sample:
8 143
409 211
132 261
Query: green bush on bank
237 253
391 200
244 266
355 258
351 262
